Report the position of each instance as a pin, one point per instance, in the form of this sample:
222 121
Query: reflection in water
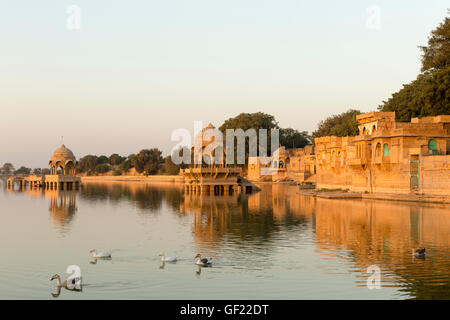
383 233
62 207
256 230
146 197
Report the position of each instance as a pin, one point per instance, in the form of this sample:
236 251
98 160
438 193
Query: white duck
167 259
96 254
69 286
205 262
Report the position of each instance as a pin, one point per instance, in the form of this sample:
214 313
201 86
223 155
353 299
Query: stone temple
62 173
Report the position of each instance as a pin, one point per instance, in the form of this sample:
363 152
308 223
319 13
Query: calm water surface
274 244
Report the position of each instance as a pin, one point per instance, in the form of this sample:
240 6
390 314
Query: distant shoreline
155 178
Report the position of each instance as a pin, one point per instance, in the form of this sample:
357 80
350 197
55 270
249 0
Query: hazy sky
137 70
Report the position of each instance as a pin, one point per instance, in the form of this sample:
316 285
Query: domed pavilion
62 162
62 173
62 170
209 177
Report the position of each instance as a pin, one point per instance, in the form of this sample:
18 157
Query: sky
132 72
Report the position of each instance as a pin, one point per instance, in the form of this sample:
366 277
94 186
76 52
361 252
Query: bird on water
204 262
419 253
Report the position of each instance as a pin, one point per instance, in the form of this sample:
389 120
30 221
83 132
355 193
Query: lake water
274 244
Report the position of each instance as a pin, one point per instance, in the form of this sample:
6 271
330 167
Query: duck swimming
167 259
96 254
205 262
419 253
74 284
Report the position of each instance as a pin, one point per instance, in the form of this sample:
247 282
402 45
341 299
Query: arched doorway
432 146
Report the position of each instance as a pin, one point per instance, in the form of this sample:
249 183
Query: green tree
170 167
125 165
340 125
45 171
429 93
23 171
116 159
87 163
102 168
7 169
37 171
437 54
148 161
117 172
291 138
102 160
245 121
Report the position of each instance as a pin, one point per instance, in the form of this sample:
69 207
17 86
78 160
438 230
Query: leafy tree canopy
339 125
102 168
437 54
116 159
288 137
245 121
170 167
7 169
429 94
23 171
292 138
102 160
87 163
147 161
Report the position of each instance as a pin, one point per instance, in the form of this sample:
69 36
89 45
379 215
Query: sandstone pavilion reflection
58 187
364 233
62 207
354 232
246 218
382 233
211 216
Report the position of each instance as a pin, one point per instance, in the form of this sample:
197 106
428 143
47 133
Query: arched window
275 164
281 164
386 150
378 150
432 146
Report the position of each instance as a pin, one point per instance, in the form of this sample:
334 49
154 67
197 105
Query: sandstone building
386 157
297 164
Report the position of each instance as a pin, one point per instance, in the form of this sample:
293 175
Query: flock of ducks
201 262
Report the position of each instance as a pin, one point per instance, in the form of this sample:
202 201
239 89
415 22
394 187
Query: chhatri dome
63 159
207 138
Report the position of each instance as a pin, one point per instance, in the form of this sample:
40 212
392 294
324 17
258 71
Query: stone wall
435 175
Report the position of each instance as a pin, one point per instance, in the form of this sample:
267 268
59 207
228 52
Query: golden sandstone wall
387 156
